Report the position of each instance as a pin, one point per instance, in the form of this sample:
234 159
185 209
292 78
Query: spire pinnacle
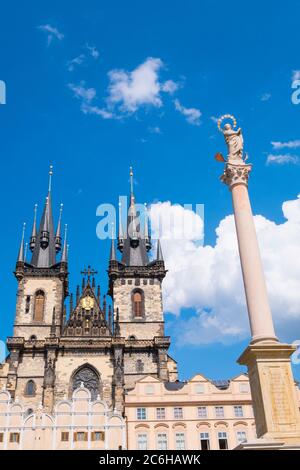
112 256
33 233
64 256
50 178
58 236
131 184
21 251
121 232
159 255
146 228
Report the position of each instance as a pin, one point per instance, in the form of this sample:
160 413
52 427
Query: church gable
88 318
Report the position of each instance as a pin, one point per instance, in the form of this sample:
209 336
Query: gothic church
56 350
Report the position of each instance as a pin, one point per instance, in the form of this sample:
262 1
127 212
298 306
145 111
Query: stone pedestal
275 403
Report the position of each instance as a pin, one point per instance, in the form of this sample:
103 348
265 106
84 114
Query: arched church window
32 338
39 305
138 304
30 388
90 380
139 366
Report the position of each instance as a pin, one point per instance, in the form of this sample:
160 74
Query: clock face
87 302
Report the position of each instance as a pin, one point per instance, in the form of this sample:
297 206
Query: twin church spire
45 243
135 242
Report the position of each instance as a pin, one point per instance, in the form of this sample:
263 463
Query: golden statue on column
271 379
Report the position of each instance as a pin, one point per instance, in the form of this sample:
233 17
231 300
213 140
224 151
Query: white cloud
282 159
295 75
93 51
214 119
76 61
154 130
291 144
265 97
86 108
129 90
51 32
192 114
83 93
169 87
208 279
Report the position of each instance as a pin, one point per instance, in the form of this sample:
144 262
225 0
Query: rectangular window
162 441
98 436
180 441
64 436
141 413
142 442
238 411
241 436
219 410
14 437
222 438
1 436
80 436
160 413
178 413
204 441
202 412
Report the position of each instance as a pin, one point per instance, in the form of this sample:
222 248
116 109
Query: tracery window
90 380
30 388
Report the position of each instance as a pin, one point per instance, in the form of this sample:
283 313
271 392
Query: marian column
275 402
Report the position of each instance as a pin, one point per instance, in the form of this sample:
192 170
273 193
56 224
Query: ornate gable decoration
88 318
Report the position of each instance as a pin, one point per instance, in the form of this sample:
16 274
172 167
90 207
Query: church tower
135 285
42 289
42 282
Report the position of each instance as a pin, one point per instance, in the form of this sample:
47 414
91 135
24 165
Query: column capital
236 174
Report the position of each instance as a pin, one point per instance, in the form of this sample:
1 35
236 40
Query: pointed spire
131 186
121 232
58 235
93 284
146 229
159 255
45 229
112 256
77 294
33 233
50 178
21 250
43 255
134 250
64 256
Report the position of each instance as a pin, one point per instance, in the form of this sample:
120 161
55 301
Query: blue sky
220 57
